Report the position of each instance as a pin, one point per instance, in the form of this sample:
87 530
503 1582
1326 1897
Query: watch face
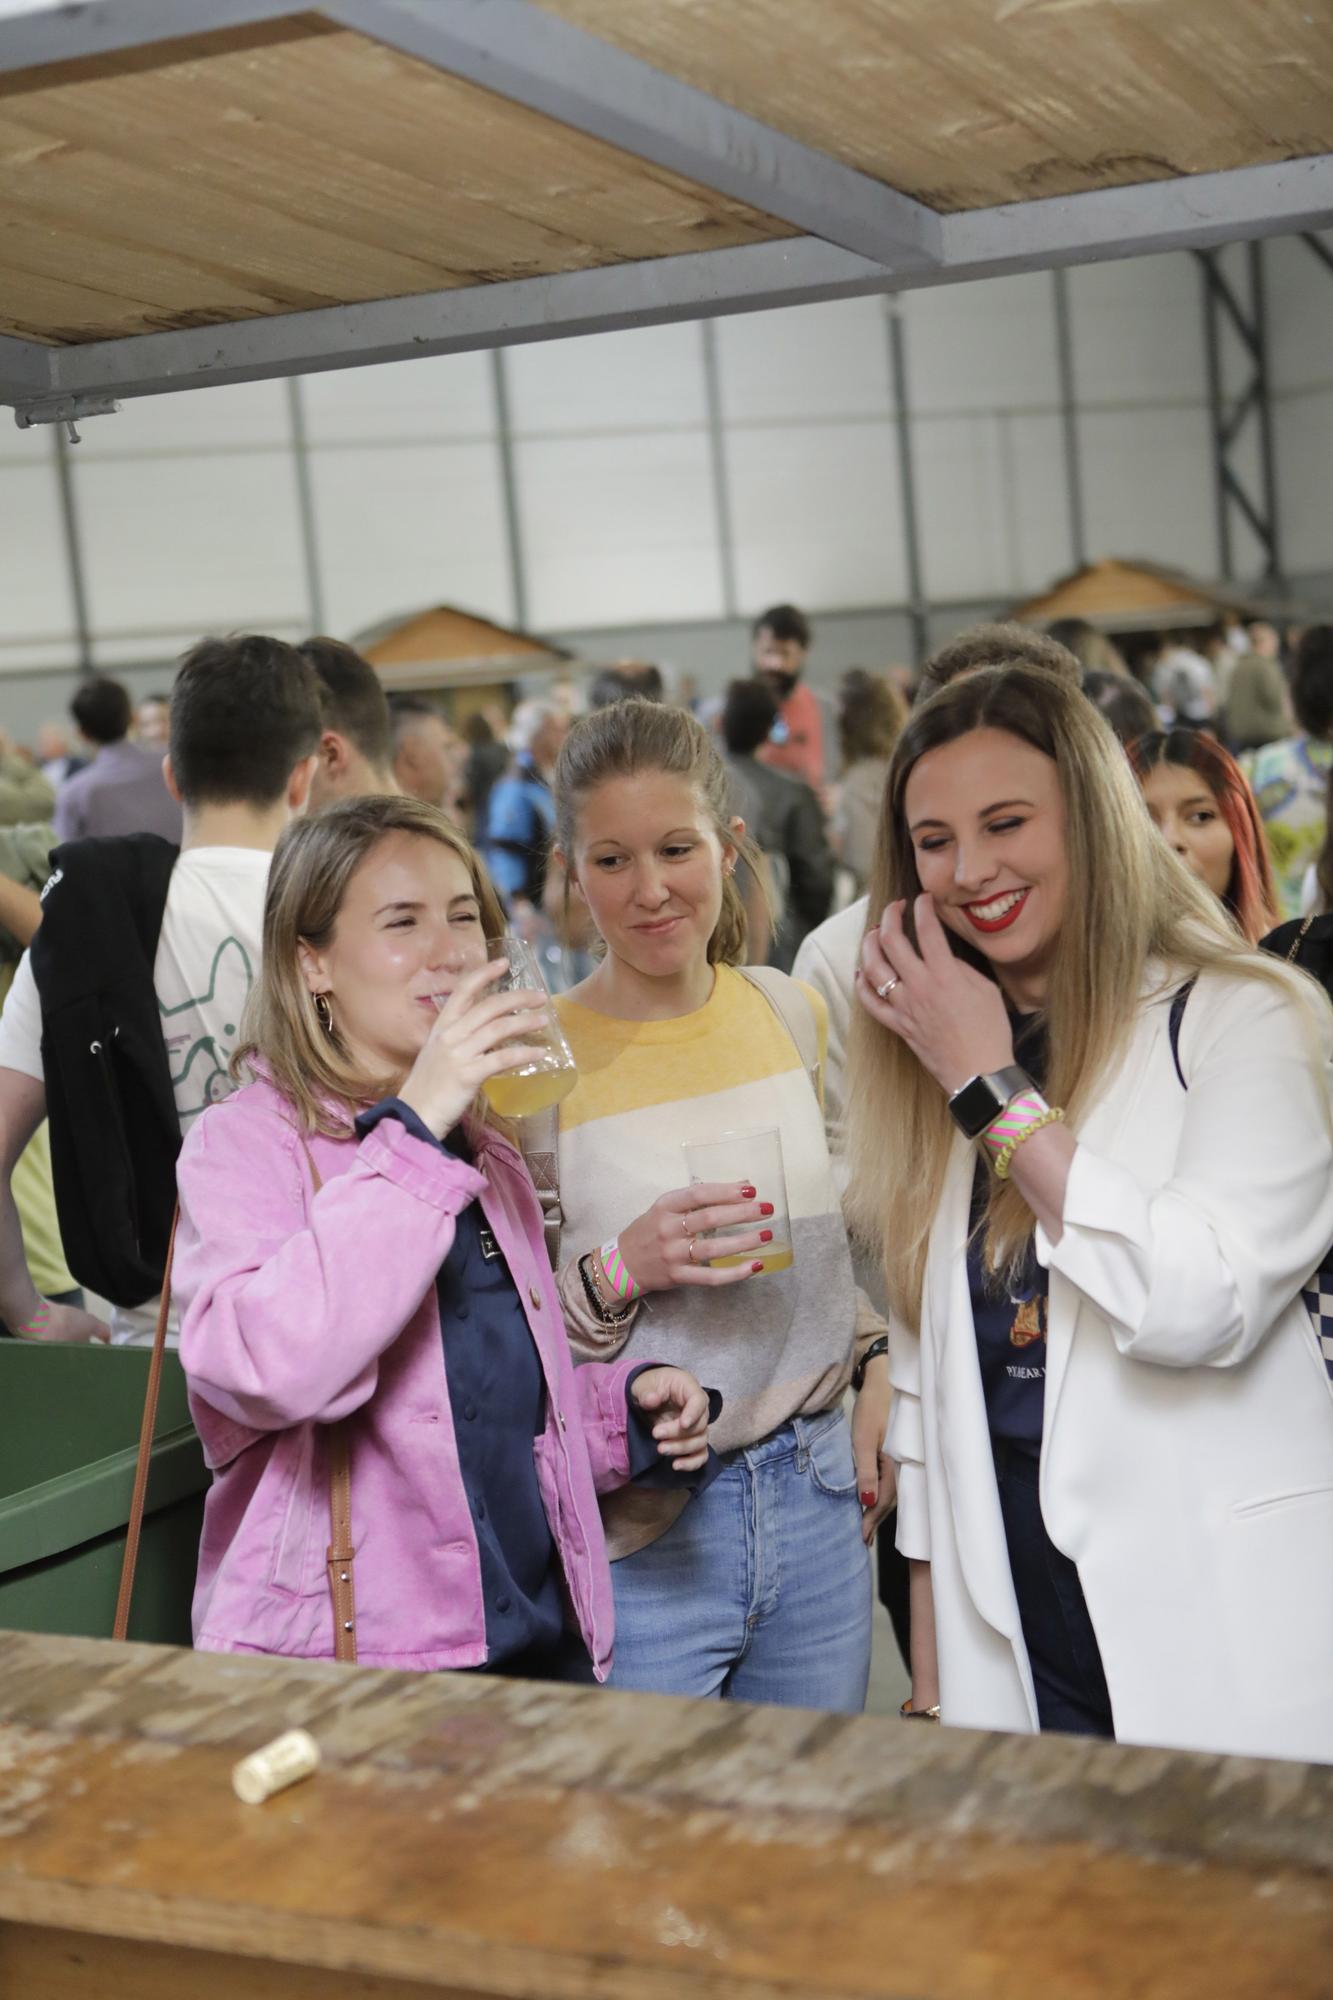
976 1106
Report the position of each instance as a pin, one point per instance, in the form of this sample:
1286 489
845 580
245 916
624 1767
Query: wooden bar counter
470 1837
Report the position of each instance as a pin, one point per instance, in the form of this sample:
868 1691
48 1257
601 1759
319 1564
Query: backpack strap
788 1001
1178 1003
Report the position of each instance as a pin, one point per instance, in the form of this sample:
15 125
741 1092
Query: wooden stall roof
276 165
443 644
1122 592
473 1836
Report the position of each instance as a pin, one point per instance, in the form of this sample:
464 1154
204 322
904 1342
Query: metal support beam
534 58
717 458
69 523
1204 209
476 316
305 505
504 431
25 369
1064 350
918 608
1233 417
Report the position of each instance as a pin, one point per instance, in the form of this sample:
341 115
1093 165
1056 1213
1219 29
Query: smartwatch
981 1100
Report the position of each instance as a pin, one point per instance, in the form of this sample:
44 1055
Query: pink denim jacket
299 1309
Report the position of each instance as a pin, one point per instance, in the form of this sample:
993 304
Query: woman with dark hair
1200 800
1090 1132
1290 778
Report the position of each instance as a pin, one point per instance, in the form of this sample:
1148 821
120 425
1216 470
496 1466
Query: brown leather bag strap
342 1589
148 1423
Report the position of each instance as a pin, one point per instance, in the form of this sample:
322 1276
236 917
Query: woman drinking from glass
366 1301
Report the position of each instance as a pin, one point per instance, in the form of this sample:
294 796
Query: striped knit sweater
778 1345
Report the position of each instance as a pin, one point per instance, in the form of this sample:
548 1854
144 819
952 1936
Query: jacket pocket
294 1568
1271 1502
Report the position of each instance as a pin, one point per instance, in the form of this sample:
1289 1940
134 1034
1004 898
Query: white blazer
1187 1456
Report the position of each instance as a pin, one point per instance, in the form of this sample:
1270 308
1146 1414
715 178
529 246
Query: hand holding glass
533 1086
754 1159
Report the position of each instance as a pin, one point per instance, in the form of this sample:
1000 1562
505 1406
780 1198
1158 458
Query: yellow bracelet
1005 1158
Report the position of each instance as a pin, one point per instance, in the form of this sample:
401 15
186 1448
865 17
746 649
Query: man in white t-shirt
245 726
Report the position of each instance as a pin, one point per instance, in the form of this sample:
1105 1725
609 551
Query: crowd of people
944 1174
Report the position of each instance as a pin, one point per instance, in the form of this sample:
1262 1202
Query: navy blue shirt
1010 1315
497 1394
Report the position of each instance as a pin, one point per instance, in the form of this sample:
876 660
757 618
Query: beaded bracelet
616 1273
1027 1114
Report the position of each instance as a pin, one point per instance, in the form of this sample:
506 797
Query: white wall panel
242 413
806 361
1300 314
618 529
441 396
1137 330
205 544
1303 439
609 381
991 504
402 527
1148 486
34 581
815 514
985 346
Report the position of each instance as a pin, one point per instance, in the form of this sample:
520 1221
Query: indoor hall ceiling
291 165
967 103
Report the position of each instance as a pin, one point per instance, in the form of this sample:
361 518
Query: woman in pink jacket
358 1248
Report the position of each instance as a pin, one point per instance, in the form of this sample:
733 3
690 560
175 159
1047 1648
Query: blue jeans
761 1590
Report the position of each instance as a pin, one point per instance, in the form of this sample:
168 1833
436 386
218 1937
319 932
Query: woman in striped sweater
758 1587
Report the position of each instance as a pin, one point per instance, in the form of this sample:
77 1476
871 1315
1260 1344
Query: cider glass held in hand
521 1093
755 1160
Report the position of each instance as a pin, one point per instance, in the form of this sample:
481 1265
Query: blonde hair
1130 901
636 736
313 864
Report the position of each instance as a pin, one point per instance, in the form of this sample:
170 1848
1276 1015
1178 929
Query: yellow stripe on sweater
624 1066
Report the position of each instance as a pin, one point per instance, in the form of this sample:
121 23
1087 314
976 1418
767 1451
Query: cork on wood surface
520 1839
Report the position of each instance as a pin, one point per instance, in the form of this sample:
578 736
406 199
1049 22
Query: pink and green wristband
1025 1114
39 1325
617 1276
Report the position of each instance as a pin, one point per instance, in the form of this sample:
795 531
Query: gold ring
684 1226
693 1241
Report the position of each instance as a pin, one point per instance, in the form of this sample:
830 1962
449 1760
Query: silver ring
888 986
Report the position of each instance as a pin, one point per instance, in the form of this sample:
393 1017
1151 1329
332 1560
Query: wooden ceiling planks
295 165
971 103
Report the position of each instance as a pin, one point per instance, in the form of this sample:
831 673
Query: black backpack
115 1134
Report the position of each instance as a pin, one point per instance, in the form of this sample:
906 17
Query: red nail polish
755 1268
747 1194
765 1208
868 1499
766 1236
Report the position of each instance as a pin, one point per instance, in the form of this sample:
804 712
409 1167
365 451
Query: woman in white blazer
1113 1424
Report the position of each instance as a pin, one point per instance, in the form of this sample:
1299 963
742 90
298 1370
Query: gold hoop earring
324 1012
